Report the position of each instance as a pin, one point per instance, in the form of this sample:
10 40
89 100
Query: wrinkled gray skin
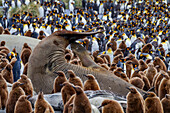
48 57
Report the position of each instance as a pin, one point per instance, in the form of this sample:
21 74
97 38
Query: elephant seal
48 57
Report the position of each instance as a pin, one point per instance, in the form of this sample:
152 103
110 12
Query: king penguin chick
3 92
135 102
164 87
150 72
142 65
41 35
15 93
67 91
27 85
165 103
25 69
75 80
138 82
81 103
68 106
158 61
153 104
7 73
25 54
129 68
60 79
111 106
41 105
23 105
91 83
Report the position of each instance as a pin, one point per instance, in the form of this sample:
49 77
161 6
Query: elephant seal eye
55 42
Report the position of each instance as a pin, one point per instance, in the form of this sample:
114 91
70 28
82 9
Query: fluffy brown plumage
28 33
6 31
91 83
27 85
41 35
150 72
15 93
3 92
7 73
166 103
75 80
25 54
25 69
138 82
60 79
153 104
111 106
41 105
81 103
142 65
23 105
164 87
146 48
1 29
129 67
158 61
68 106
67 91
135 102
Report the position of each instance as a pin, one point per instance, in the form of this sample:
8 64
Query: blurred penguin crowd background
134 44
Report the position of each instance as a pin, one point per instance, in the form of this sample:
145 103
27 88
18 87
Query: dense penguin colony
134 45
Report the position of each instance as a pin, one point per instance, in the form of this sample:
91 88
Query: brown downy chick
97 59
146 48
166 103
60 79
113 67
15 93
91 83
25 54
41 35
81 103
6 31
3 63
25 69
67 108
3 92
41 105
153 104
138 82
106 58
122 45
124 77
23 105
28 33
2 43
117 58
158 80
111 106
67 91
148 61
133 59
158 61
151 72
136 74
135 102
117 52
164 87
129 67
27 85
7 73
75 80
142 65
146 81
25 45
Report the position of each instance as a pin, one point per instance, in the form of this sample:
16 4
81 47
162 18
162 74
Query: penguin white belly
13 4
19 4
41 12
71 8
95 46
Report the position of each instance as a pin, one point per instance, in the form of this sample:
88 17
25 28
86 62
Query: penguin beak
28 97
74 87
128 88
163 75
85 75
100 107
21 84
61 85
